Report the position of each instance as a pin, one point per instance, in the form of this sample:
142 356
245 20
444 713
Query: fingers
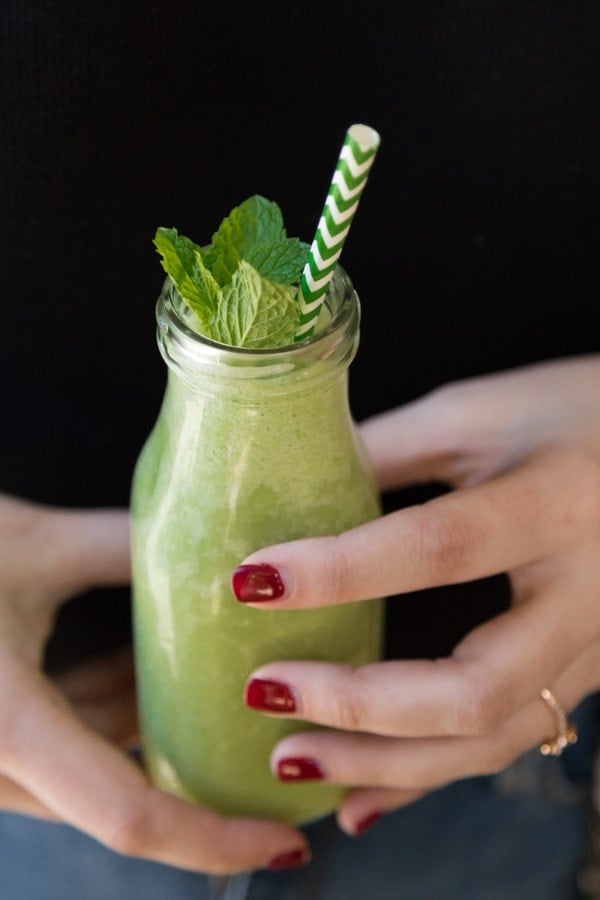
411 444
395 772
468 430
84 781
89 548
49 554
468 534
362 808
447 434
494 671
414 764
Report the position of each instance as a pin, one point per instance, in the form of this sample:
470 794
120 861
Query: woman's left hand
522 451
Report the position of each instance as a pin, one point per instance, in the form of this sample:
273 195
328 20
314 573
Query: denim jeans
514 836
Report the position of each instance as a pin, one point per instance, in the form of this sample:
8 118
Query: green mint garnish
183 261
240 287
255 312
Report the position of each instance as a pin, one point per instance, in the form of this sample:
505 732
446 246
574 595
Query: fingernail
367 823
297 768
289 860
257 584
272 696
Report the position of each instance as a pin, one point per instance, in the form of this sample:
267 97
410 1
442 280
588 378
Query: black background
475 247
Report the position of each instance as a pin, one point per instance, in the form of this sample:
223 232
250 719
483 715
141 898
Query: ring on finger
566 732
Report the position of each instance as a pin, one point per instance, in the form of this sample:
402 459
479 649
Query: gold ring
566 732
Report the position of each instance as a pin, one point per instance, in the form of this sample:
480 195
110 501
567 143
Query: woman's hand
63 742
522 451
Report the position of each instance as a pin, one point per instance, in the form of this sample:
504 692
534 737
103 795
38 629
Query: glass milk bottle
251 448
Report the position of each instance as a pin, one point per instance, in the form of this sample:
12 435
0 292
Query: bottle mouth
187 351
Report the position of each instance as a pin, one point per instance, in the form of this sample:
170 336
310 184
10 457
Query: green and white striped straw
349 179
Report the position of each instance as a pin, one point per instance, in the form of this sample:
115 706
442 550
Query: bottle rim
190 353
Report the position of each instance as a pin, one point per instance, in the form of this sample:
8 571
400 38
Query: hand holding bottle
63 741
522 452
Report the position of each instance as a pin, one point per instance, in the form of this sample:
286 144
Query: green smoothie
251 447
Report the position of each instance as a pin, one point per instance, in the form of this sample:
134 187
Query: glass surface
250 448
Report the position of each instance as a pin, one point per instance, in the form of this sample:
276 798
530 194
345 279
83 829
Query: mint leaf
254 312
254 231
183 261
255 221
239 287
281 261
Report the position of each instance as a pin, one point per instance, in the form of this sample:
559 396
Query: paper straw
349 179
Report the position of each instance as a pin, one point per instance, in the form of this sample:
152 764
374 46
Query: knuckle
126 829
344 705
337 575
445 543
350 712
479 711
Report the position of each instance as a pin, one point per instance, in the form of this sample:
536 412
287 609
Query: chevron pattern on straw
349 179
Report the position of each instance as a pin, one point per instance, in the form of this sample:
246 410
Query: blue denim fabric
515 836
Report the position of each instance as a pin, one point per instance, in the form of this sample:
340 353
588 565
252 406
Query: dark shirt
475 247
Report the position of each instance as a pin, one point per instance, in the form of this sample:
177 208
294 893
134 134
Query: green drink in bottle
254 445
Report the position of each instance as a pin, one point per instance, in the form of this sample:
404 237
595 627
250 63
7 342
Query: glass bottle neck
203 364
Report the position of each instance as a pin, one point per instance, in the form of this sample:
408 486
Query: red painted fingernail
297 768
367 823
257 584
289 860
272 696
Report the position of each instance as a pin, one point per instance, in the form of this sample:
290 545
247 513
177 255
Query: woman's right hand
63 742
521 452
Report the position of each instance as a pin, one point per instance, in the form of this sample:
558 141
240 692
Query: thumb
87 548
412 444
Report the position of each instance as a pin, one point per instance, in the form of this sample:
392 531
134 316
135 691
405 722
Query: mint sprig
240 286
255 312
183 261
